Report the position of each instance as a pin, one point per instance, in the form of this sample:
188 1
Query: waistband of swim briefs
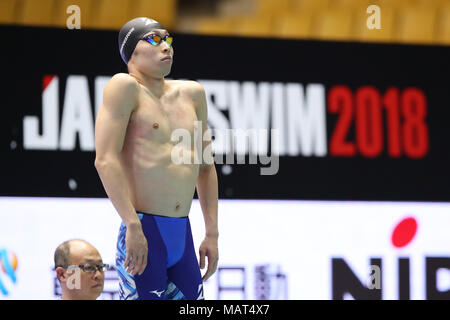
158 215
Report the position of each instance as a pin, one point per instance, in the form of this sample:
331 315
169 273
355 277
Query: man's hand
137 250
209 248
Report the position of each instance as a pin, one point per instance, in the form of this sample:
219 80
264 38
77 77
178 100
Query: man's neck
156 86
66 296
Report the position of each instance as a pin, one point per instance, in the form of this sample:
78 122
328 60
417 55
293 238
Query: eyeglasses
155 39
88 267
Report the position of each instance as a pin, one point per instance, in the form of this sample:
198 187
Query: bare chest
159 119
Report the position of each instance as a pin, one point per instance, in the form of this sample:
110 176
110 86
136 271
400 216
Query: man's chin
166 72
97 289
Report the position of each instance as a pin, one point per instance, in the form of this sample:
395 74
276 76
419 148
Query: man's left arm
207 187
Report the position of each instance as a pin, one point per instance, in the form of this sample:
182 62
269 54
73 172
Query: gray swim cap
132 32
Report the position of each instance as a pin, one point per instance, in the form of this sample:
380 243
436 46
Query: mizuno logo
158 293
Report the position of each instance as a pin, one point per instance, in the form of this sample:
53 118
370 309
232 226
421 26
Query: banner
269 250
340 121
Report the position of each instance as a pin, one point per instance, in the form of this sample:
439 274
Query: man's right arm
119 101
120 98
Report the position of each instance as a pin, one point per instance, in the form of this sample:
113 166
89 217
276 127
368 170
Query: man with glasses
80 270
151 191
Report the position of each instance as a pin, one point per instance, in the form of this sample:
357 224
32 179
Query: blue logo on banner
8 264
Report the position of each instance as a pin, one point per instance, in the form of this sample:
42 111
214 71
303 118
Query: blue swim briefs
172 271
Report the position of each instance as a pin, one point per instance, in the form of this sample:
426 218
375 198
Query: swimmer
155 256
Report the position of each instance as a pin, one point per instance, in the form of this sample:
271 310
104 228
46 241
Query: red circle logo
404 232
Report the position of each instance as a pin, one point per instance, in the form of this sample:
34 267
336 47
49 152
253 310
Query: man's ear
61 274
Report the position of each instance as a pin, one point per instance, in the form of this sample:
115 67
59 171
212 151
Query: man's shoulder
122 84
121 93
189 87
124 79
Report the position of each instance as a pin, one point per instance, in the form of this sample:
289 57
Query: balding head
70 248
